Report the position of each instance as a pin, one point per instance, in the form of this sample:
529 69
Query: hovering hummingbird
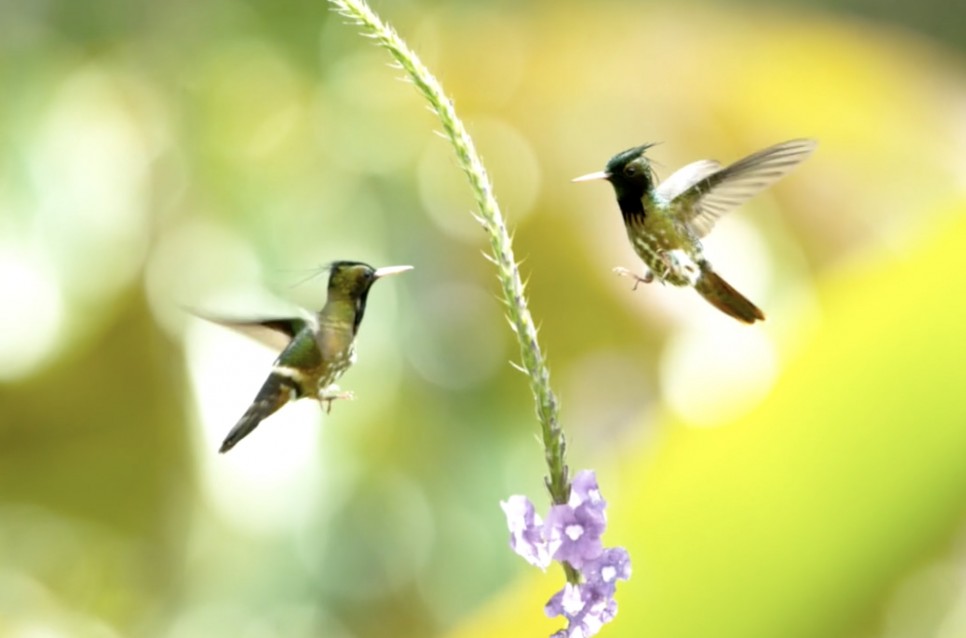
666 221
319 349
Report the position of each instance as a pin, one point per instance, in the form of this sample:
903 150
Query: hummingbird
665 222
319 348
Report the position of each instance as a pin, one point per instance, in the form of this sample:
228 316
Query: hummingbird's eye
630 170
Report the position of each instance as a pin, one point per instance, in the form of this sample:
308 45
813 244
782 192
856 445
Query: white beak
592 176
391 270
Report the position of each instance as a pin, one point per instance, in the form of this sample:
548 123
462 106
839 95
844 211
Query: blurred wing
721 192
685 177
274 333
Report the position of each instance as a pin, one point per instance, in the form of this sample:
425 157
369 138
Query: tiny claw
332 393
647 278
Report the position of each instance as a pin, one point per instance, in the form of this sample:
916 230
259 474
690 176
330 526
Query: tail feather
722 296
276 392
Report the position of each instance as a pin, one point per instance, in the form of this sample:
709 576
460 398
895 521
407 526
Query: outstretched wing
274 333
714 194
685 177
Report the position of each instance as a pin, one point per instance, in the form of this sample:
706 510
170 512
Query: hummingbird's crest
622 159
340 264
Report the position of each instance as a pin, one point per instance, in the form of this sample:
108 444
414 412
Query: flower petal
526 531
584 489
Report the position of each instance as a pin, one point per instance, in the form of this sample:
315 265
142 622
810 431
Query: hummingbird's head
630 173
353 279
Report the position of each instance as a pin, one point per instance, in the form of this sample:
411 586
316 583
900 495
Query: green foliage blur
801 478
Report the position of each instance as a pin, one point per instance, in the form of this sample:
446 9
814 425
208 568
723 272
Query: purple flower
526 531
572 534
590 605
602 575
583 489
586 612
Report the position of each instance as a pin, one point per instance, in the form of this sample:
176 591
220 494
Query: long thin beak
391 270
592 176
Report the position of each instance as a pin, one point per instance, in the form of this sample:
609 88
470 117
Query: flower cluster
571 534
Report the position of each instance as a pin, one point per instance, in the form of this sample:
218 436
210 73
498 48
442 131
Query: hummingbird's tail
722 296
277 390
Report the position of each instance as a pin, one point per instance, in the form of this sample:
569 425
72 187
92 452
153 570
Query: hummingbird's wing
685 177
274 333
720 192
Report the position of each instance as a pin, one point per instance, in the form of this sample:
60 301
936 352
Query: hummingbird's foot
646 278
329 394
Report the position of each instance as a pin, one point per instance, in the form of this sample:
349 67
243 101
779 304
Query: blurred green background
802 478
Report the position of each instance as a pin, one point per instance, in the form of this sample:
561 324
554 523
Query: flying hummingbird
319 349
666 221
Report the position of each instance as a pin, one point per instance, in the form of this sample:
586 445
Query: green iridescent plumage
666 221
319 350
